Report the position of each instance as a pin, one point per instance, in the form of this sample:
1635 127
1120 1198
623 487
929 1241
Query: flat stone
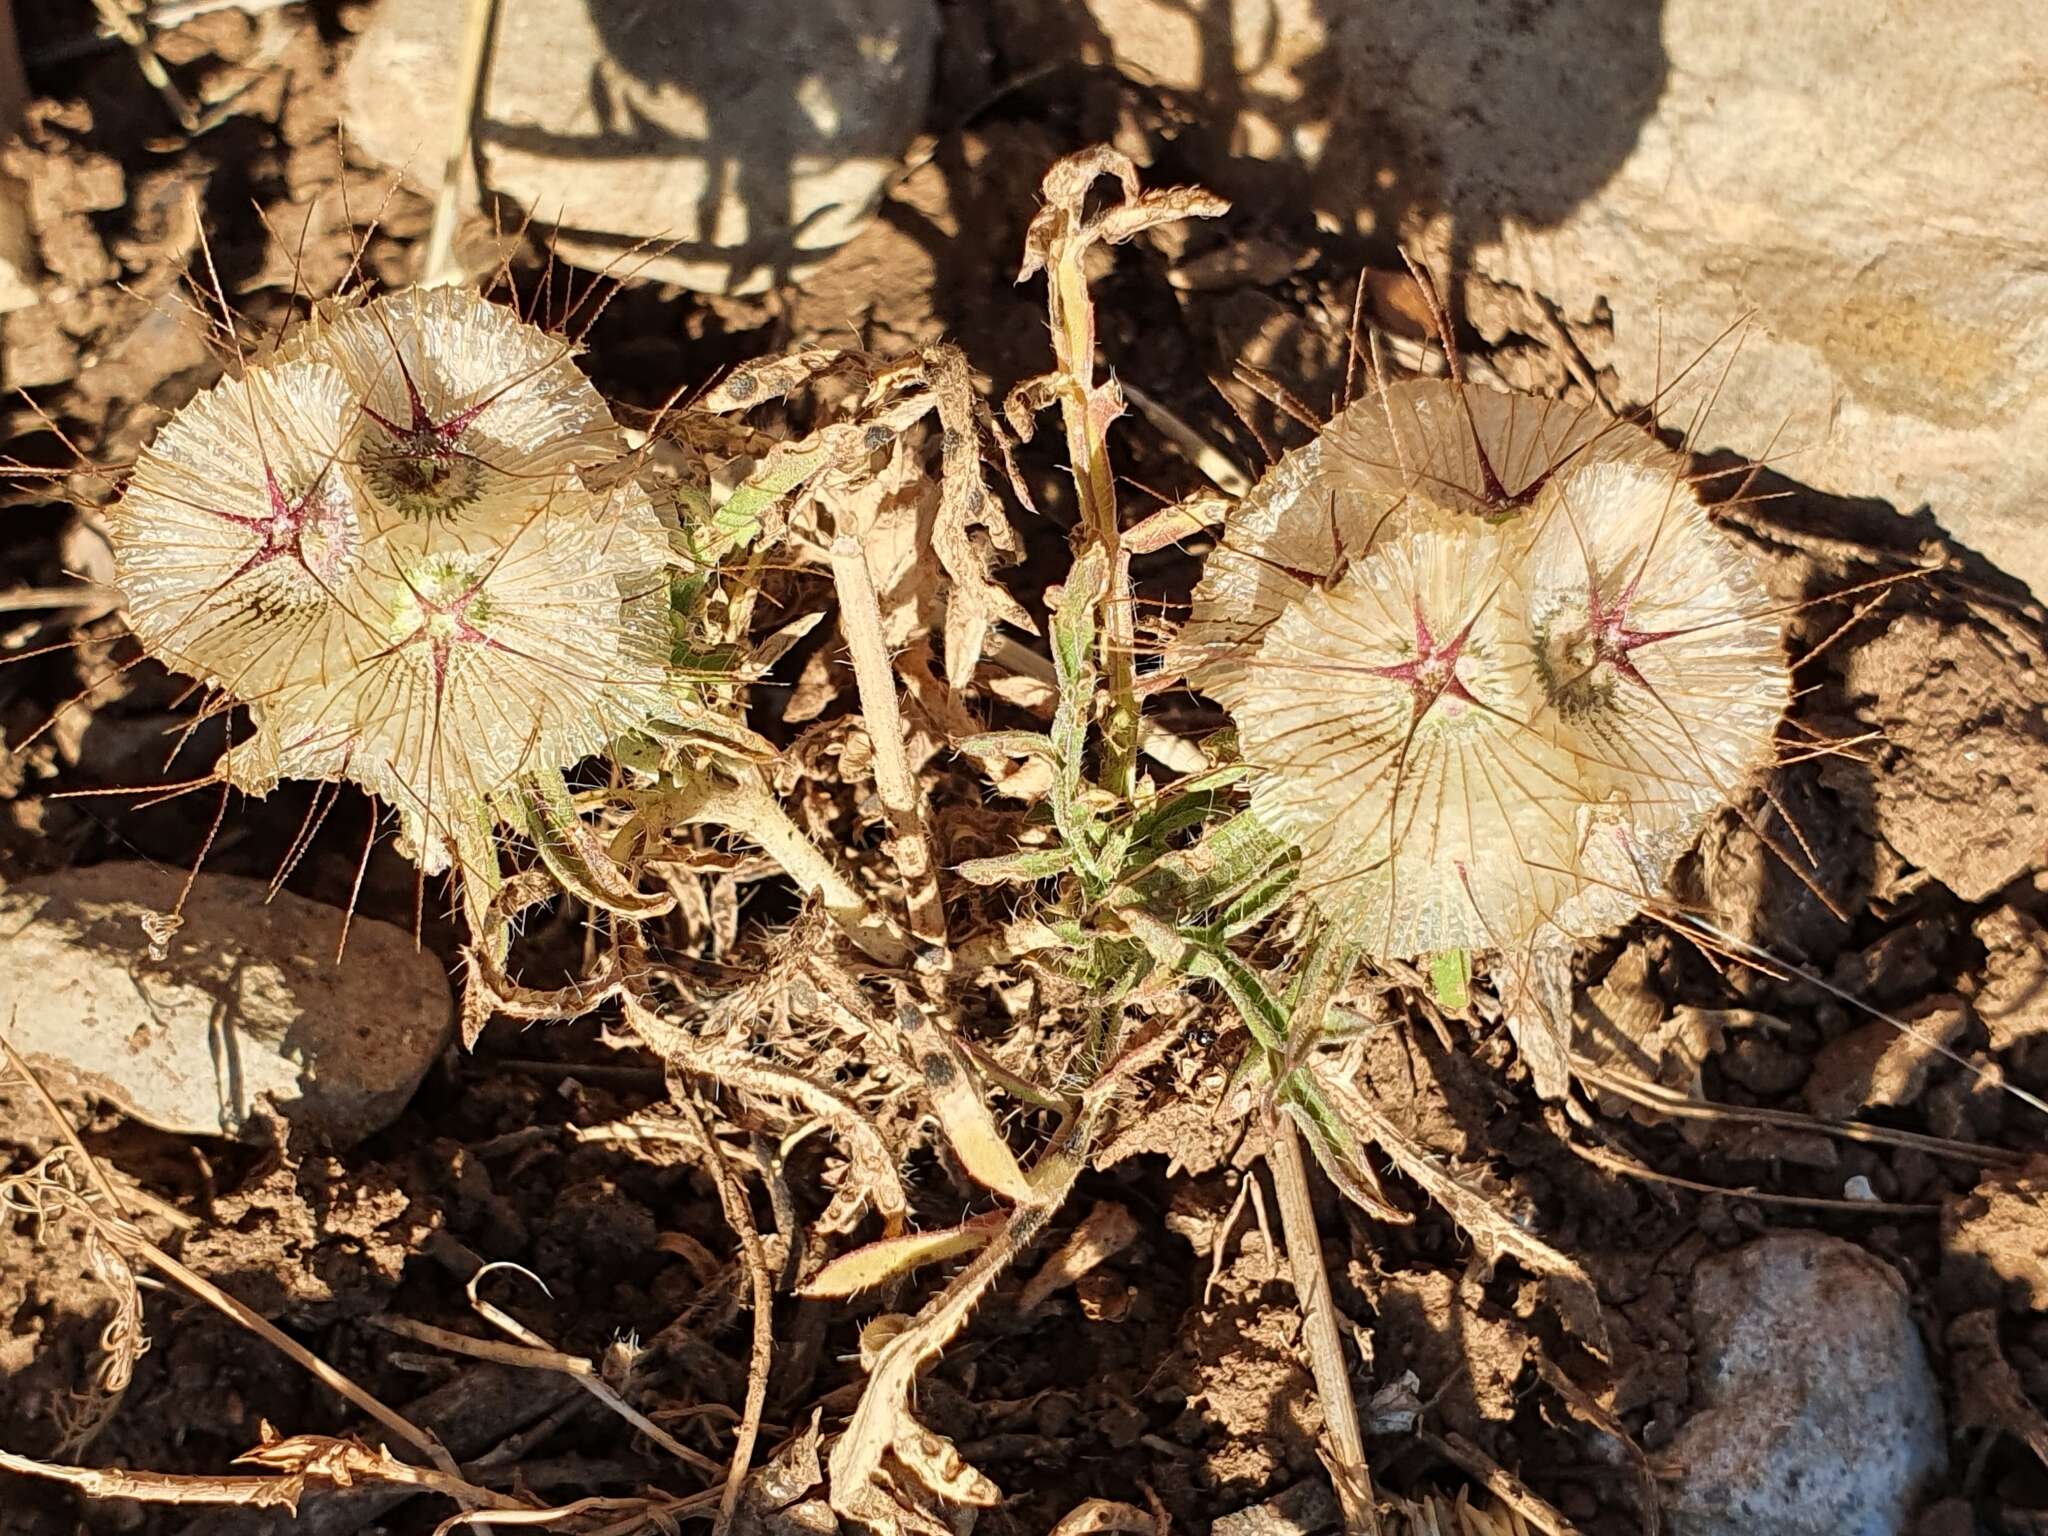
247 1005
1819 1413
1869 185
735 149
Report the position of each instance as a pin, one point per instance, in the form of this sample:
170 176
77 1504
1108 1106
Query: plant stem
479 19
1348 1470
1087 412
882 1415
750 810
860 620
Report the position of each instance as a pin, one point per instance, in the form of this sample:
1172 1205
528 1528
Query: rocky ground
1848 1252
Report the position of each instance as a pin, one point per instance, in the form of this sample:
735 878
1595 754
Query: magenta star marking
1432 672
1613 637
281 532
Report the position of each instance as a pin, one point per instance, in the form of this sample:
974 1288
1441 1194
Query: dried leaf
756 383
164 1487
1991 1394
1536 998
1061 228
1096 1515
964 506
1492 1231
878 1263
954 1092
1104 1232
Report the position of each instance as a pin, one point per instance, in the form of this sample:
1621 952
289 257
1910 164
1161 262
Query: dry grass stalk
579 1371
1346 1459
479 20
1500 1482
125 1238
121 22
733 1201
860 620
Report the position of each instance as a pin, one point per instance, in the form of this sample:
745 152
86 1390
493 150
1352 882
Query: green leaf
1261 900
1073 661
1193 956
1450 979
1028 864
1225 863
1334 1146
540 806
698 726
1193 801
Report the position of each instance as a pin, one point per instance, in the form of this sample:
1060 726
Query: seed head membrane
238 537
1492 661
400 543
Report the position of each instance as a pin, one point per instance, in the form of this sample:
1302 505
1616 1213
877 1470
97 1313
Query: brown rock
1962 787
722 157
2013 999
1879 1064
1995 1239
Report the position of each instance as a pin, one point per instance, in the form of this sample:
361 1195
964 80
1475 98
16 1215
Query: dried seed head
238 535
466 410
399 542
1495 668
1388 710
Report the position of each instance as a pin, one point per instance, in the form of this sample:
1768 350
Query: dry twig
860 619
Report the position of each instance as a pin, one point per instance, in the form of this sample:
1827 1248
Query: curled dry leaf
1062 228
1104 1232
977 600
877 1263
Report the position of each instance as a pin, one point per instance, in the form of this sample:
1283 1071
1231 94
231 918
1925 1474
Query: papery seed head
1389 712
531 649
237 536
1494 669
466 409
1651 639
404 543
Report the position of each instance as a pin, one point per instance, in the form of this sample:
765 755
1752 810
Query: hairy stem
750 810
1087 412
883 1412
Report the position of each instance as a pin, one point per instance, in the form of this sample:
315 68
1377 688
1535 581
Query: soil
1178 1371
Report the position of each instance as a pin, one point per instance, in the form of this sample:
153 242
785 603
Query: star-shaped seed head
1492 663
401 543
237 536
